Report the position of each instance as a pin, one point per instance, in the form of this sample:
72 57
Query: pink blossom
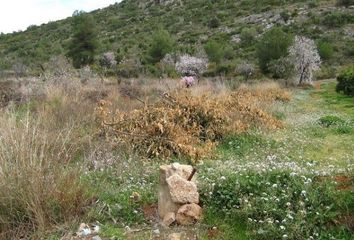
188 81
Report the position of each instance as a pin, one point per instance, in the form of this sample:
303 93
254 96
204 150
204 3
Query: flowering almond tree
305 58
191 66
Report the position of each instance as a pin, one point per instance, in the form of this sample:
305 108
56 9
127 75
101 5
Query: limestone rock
169 219
181 190
188 214
165 202
174 236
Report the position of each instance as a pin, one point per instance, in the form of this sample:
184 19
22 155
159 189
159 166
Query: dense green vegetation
130 29
346 82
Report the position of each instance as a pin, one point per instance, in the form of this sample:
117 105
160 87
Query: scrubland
272 163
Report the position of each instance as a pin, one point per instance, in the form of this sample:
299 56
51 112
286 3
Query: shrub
345 3
325 50
161 44
346 82
248 35
337 19
273 45
330 120
214 23
214 50
184 125
285 15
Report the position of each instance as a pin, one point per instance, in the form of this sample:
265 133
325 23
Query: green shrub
330 120
285 15
214 50
346 82
272 46
248 35
344 129
214 23
161 44
345 3
337 19
325 49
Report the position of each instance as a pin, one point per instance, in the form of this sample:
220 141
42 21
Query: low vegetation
89 112
258 177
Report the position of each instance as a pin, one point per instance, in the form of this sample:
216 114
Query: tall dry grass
39 180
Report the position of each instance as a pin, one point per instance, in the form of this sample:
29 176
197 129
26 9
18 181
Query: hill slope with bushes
228 30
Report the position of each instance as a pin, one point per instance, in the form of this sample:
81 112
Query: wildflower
285 236
282 227
222 178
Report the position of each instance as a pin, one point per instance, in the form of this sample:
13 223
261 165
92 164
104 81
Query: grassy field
290 183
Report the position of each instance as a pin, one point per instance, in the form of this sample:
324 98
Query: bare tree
305 58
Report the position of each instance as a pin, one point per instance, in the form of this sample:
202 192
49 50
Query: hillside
127 27
176 126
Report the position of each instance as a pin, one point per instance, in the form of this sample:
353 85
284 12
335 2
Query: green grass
337 102
318 133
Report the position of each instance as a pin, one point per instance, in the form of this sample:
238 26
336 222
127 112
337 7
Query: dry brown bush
182 124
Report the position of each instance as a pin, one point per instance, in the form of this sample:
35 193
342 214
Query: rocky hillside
128 27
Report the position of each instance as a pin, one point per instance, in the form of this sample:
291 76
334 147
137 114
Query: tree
214 50
161 44
83 46
246 70
273 45
191 66
304 55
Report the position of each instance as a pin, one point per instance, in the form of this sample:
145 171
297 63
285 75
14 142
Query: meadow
288 174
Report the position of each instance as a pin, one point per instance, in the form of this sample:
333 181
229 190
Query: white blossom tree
246 69
191 66
305 58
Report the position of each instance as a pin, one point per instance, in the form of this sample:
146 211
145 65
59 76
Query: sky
17 15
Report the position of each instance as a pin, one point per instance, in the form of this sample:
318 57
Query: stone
156 232
84 230
96 238
174 236
169 219
165 202
189 214
181 190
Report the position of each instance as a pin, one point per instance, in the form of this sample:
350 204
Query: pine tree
83 46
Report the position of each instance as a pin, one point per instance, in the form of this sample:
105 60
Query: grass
93 181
